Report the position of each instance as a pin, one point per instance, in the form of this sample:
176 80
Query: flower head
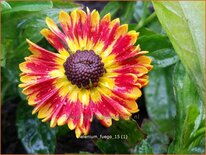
97 71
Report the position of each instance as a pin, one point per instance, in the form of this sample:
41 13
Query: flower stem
146 21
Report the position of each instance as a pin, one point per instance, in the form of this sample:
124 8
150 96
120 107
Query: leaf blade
36 137
180 27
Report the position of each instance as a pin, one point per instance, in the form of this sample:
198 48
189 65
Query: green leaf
156 26
3 56
159 47
36 137
153 42
156 139
160 100
190 118
111 7
144 148
143 31
141 10
123 135
184 24
25 6
114 7
5 6
127 10
163 58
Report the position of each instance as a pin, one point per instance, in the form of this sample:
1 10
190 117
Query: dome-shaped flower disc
97 71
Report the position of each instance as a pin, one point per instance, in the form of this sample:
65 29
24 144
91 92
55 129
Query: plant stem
146 21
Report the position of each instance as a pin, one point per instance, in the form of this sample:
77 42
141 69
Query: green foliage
160 99
5 6
174 36
190 127
159 47
184 24
36 137
144 148
25 6
114 7
122 137
156 139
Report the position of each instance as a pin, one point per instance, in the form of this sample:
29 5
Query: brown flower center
84 68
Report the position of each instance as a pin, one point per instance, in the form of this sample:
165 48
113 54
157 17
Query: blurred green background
172 113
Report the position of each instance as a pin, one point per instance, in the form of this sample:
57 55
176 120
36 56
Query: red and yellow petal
53 40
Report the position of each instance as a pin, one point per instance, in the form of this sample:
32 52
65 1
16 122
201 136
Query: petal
45 111
78 132
36 87
95 95
76 114
106 122
41 53
139 70
67 25
29 79
84 97
54 28
65 22
121 31
128 92
37 67
53 40
88 117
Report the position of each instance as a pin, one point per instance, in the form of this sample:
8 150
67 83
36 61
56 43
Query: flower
97 71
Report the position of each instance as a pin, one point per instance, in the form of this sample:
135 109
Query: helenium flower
96 72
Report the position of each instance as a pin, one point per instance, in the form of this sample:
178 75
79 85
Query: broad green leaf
25 6
184 24
163 58
123 135
190 118
145 32
153 42
155 26
159 96
36 137
144 148
159 47
156 140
